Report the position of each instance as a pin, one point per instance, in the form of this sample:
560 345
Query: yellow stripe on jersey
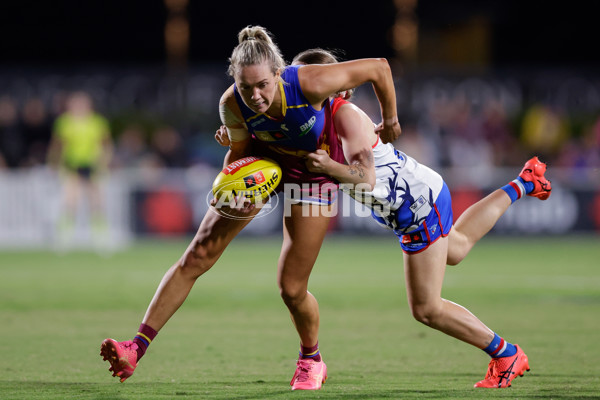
255 116
283 98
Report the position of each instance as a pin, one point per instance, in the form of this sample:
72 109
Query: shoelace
491 369
305 369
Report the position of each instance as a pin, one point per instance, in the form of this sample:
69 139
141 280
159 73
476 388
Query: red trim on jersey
426 232
376 142
336 104
408 239
440 222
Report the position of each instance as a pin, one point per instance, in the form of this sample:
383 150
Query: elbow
371 182
384 66
365 186
368 182
384 62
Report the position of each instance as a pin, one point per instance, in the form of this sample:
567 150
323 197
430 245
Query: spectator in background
467 148
81 147
36 130
417 144
131 148
580 156
591 140
497 132
12 142
544 130
168 145
58 103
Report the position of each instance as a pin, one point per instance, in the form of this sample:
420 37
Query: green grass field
233 338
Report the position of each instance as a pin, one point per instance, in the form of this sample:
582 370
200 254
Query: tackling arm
355 130
318 82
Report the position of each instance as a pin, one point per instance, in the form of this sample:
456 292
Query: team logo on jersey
270 136
304 128
420 202
254 179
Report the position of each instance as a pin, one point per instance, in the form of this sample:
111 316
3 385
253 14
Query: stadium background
481 86
468 75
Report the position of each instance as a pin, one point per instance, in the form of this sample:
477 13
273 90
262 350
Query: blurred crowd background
161 120
480 88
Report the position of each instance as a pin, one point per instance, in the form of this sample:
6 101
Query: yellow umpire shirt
82 139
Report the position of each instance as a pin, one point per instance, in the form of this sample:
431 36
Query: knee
454 258
195 262
427 313
292 294
458 248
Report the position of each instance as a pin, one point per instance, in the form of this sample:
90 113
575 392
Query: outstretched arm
318 82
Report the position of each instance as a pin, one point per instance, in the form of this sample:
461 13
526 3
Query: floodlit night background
481 87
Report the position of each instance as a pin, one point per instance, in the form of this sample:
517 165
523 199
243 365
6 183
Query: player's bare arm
355 129
321 81
238 135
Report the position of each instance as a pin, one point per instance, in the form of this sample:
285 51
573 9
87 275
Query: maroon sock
310 352
144 337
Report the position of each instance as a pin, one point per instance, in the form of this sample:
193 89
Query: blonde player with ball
282 112
414 202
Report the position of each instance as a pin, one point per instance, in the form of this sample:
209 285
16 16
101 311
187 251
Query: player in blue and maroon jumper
282 112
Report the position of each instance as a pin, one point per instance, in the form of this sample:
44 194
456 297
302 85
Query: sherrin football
252 177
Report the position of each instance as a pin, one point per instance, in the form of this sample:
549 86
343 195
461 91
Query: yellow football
255 178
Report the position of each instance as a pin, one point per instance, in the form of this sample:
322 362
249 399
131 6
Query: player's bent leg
303 236
474 223
214 234
481 217
424 274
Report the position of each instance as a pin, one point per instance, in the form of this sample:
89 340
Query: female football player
283 113
415 203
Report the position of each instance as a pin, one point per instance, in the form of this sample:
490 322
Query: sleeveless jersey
301 130
405 191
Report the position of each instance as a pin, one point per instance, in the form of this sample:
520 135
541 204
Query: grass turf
233 339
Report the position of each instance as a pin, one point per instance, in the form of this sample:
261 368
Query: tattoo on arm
356 169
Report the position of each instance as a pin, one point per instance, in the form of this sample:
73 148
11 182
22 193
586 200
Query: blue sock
517 188
500 348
